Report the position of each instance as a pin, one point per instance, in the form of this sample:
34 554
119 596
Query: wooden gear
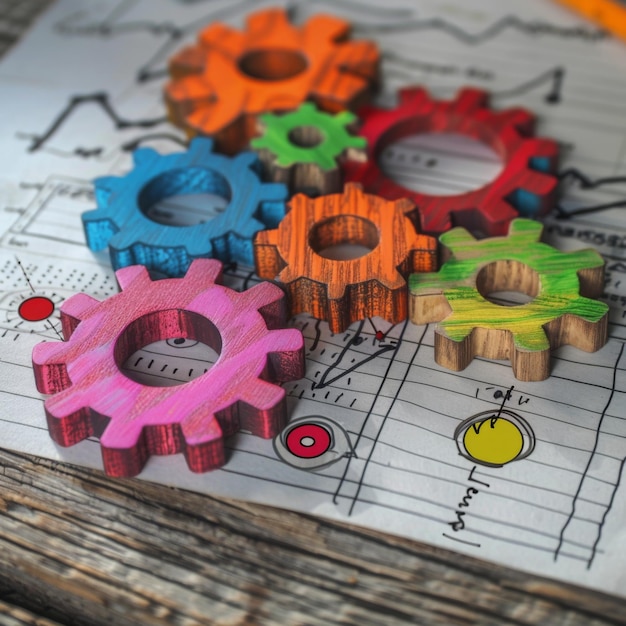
92 397
470 325
303 148
220 85
344 291
525 185
121 221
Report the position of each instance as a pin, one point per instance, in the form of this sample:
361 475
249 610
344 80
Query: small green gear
471 325
304 146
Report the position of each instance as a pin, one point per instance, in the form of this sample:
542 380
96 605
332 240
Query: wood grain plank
97 550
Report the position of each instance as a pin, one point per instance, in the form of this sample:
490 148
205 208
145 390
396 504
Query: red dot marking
36 309
380 335
318 434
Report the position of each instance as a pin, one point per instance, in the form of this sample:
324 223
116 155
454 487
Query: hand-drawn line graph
103 101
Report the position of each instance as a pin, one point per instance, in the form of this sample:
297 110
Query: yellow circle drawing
494 438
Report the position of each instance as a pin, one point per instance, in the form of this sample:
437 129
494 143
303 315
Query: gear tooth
205 271
335 290
586 259
594 310
104 187
131 274
201 146
535 340
273 192
78 305
412 96
525 230
145 156
108 182
47 353
327 27
263 395
286 340
345 118
261 295
540 184
245 160
458 236
470 99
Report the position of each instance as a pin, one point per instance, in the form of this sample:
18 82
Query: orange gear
344 291
219 85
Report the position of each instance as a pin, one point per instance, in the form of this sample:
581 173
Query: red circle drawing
36 309
308 441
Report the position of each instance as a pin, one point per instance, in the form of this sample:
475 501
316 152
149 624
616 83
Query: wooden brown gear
344 291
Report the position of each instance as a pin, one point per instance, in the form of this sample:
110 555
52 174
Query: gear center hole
438 164
508 283
343 237
167 348
306 136
273 64
185 197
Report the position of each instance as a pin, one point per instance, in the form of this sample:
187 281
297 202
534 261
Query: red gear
524 186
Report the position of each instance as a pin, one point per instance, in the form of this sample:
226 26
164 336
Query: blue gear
133 238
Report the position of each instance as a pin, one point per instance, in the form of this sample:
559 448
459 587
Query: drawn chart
526 474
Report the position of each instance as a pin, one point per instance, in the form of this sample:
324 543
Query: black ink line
172 32
469 543
594 549
533 29
356 340
589 461
53 327
317 335
506 397
19 263
562 214
132 145
370 412
350 6
323 383
554 77
585 181
387 413
101 99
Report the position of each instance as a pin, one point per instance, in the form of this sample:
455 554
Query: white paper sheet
395 463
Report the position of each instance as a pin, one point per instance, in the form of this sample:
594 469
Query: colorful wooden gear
92 397
524 186
303 148
120 221
220 85
344 291
470 325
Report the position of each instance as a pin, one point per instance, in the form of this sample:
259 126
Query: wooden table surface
80 548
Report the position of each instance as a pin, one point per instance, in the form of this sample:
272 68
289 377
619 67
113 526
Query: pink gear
94 398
